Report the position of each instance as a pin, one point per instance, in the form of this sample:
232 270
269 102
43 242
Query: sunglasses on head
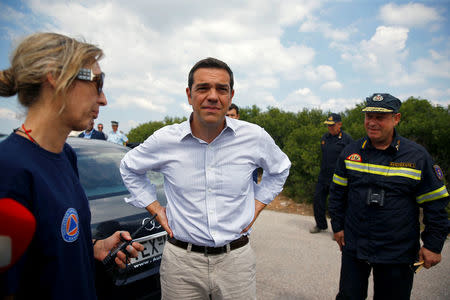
88 75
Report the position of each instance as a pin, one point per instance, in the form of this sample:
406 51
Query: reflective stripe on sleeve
383 170
433 195
340 180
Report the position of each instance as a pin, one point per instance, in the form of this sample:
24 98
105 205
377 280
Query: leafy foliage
143 131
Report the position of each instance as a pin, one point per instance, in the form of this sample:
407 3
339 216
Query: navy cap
382 103
333 119
114 123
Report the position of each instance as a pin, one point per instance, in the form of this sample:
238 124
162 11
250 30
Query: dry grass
284 204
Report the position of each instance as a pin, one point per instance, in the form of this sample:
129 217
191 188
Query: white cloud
150 47
186 107
305 98
312 24
383 57
436 55
326 72
434 94
387 39
331 86
319 73
432 68
303 92
339 104
300 99
8 114
127 102
9 14
409 15
149 62
294 10
132 124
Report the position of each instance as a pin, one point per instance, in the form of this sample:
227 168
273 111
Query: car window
100 177
99 173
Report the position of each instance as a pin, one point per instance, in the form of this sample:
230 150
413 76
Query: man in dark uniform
332 143
378 186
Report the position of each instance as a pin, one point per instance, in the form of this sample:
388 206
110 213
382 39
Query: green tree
427 125
353 122
249 114
303 149
140 133
277 123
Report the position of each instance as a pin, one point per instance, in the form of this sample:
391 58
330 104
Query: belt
240 242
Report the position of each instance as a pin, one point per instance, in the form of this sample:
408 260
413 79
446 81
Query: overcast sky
287 54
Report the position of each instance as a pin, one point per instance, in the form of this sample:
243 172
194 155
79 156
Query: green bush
143 131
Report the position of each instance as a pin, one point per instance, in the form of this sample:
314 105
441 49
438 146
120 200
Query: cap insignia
377 98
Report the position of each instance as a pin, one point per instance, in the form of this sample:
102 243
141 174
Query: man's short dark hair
234 106
210 63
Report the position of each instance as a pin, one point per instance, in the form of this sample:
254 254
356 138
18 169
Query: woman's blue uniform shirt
59 262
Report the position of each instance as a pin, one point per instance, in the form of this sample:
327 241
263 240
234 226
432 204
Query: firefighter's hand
429 258
339 237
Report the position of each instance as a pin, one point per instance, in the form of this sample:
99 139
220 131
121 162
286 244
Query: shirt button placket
209 180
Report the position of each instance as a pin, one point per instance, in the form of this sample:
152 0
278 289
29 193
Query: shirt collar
395 144
187 131
231 123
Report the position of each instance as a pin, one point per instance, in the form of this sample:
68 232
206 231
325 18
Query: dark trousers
320 204
390 281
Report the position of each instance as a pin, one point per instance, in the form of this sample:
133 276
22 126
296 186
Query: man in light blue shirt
116 136
212 201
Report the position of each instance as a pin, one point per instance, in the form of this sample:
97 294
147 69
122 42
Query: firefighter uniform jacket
331 146
375 198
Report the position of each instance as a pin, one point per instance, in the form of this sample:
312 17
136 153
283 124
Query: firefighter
380 182
332 143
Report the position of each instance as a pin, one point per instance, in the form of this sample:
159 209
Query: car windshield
98 167
100 170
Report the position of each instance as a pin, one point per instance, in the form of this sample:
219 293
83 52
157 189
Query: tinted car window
104 183
99 172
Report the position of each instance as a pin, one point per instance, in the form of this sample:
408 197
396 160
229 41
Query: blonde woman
59 81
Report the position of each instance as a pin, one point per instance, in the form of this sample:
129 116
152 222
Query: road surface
294 264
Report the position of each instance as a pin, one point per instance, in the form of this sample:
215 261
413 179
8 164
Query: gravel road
294 264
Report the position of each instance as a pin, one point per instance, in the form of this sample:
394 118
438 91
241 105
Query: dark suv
98 167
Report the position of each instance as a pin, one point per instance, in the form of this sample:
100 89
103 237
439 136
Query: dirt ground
284 204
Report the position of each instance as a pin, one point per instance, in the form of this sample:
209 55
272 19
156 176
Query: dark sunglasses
88 75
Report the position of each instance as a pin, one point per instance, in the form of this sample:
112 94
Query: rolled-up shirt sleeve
275 164
134 167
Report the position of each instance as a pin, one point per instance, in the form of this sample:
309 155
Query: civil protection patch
69 226
354 157
438 171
